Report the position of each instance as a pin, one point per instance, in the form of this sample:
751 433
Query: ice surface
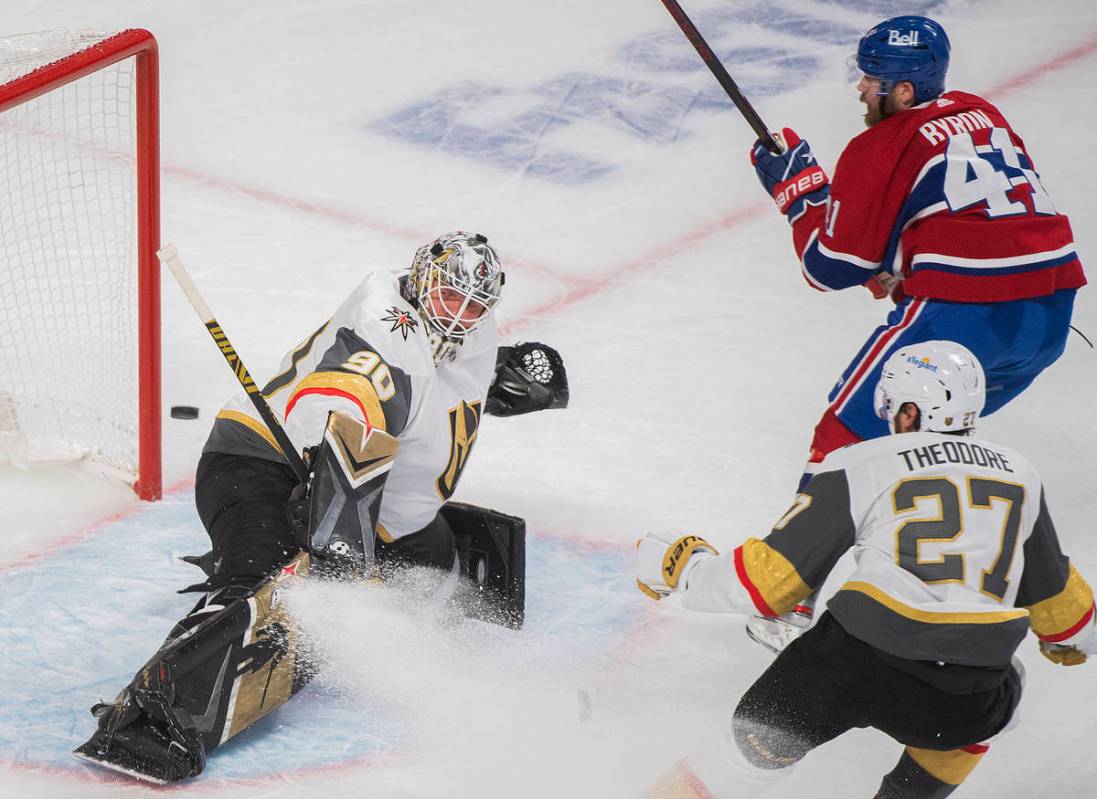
306 142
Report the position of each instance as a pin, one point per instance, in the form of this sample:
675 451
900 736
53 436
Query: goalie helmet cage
79 229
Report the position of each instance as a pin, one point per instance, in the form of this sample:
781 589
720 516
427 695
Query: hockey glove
528 377
793 179
1082 644
1062 655
663 563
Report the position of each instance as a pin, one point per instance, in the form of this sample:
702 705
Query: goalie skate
128 754
217 673
142 735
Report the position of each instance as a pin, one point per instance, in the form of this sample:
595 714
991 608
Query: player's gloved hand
1083 644
1062 655
528 377
794 178
664 561
885 284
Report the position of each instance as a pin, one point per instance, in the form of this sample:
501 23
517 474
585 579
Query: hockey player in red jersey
956 560
939 204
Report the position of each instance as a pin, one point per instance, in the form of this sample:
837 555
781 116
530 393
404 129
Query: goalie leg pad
492 549
221 672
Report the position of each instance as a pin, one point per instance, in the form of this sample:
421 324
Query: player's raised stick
169 256
718 70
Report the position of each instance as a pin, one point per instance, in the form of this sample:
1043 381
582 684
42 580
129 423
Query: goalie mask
455 281
942 378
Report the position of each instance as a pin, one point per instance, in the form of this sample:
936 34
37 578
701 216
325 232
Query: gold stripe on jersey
384 534
932 617
951 767
254 425
773 576
1054 616
356 386
363 454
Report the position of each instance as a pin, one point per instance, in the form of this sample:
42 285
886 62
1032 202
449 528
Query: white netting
68 304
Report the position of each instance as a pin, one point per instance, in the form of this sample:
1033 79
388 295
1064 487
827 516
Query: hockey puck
184 412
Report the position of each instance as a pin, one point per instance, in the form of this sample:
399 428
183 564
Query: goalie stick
721 75
169 256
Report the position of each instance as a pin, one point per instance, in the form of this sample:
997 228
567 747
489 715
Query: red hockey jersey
945 195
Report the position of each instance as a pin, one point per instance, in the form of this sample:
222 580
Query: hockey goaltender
385 400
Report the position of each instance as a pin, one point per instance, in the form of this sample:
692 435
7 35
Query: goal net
79 226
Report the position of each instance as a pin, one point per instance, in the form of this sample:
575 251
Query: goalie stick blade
88 753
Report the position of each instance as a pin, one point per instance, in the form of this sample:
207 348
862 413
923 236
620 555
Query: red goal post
80 338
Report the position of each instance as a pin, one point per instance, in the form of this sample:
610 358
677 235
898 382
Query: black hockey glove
528 377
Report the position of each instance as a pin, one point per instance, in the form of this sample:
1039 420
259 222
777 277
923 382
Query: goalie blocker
348 473
491 547
239 654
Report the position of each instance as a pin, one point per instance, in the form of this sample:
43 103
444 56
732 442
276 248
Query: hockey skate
777 632
142 736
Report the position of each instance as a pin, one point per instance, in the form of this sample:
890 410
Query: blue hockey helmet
908 48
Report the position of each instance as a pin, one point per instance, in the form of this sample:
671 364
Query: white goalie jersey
372 360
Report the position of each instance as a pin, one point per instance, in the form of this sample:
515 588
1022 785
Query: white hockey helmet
942 378
456 281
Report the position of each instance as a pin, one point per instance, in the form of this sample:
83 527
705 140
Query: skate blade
762 643
111 766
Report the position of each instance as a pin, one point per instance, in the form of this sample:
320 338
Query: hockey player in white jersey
956 560
385 398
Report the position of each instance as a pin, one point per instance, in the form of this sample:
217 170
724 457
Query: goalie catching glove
528 377
664 563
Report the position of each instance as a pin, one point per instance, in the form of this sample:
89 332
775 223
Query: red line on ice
582 289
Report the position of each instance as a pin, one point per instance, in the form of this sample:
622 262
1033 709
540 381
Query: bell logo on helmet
903 40
907 48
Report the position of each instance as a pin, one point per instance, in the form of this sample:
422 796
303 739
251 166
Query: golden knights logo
464 421
402 321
